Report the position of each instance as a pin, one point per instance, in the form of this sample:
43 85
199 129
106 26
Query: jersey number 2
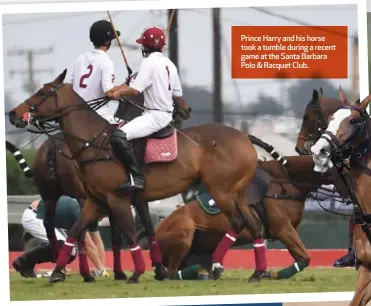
85 76
168 74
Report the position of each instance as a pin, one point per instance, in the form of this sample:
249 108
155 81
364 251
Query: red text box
289 52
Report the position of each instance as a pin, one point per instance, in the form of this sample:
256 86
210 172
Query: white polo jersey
93 75
158 79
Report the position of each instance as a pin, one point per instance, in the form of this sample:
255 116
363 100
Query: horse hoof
217 270
120 275
257 276
57 276
134 279
161 273
89 279
217 273
254 280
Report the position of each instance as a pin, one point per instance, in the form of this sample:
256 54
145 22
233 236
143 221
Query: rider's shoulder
147 62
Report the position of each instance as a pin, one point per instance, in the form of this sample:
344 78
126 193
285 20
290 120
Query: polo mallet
119 43
170 22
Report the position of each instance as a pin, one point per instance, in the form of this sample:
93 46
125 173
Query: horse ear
315 96
342 97
61 77
363 105
320 92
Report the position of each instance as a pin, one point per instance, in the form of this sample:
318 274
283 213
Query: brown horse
219 156
55 175
348 138
315 121
191 231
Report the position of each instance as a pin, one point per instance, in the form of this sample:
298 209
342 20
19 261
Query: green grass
232 282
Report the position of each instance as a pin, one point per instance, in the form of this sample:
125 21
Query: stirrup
130 185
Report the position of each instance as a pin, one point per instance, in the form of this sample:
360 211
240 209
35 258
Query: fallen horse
189 236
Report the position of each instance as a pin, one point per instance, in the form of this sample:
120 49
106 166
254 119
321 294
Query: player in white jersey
93 75
158 79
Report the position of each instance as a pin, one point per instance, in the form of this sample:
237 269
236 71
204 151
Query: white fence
159 209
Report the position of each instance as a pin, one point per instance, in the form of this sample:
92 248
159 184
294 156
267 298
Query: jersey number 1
85 76
168 74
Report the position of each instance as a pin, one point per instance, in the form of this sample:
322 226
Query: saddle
159 147
257 191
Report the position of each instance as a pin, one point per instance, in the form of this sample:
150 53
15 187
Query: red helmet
153 37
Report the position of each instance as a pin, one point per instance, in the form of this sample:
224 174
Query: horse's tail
19 158
268 148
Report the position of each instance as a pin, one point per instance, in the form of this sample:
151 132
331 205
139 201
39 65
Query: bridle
33 107
36 120
340 153
346 151
61 111
314 136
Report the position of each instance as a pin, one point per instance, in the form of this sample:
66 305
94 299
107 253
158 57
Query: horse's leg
88 215
83 258
47 181
154 248
50 206
183 246
362 246
290 238
362 294
176 243
252 222
121 208
238 213
116 248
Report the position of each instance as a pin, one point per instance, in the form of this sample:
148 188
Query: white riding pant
148 123
35 227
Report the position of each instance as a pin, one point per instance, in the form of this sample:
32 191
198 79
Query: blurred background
37 47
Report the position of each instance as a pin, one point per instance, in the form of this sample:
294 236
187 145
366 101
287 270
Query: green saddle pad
208 204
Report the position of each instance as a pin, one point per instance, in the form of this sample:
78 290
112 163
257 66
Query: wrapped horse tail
19 158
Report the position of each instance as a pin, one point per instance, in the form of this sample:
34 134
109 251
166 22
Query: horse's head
41 105
315 121
347 134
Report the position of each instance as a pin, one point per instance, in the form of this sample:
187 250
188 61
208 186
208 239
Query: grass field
232 282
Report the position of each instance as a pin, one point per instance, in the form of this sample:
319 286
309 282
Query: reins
310 194
94 105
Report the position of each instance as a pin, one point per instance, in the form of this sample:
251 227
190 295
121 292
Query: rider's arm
181 105
177 87
139 81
